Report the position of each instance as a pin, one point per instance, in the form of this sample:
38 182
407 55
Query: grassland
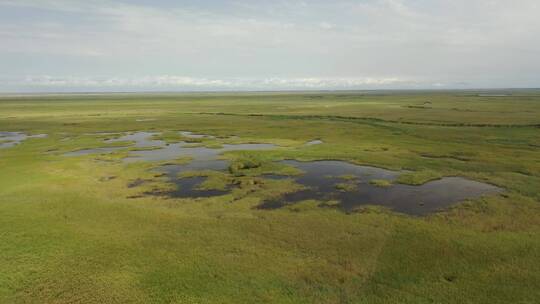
72 231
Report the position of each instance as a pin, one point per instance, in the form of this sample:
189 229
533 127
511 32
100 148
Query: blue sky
144 45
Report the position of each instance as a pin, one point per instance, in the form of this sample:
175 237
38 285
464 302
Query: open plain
160 198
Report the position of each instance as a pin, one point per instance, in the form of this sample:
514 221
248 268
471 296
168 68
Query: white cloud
327 25
180 82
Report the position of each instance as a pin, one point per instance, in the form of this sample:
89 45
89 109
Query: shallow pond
197 153
202 158
139 140
10 139
188 187
161 151
323 178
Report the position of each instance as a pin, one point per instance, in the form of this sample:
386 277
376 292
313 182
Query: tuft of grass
380 182
170 137
346 186
239 165
179 161
419 177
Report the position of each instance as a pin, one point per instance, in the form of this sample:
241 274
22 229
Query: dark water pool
188 187
321 179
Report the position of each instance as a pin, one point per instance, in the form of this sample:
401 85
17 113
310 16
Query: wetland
351 186
326 197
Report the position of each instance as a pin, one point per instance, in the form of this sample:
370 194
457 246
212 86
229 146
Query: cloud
172 82
327 25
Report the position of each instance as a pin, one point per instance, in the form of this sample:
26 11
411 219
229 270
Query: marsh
321 179
205 196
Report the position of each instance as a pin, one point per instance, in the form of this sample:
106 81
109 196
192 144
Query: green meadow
76 230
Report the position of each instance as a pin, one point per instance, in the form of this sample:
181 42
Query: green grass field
71 230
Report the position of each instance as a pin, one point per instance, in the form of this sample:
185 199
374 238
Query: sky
211 45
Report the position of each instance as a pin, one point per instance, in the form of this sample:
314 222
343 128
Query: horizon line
156 92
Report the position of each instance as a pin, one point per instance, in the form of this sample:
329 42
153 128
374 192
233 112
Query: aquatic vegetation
418 177
245 163
380 182
346 186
